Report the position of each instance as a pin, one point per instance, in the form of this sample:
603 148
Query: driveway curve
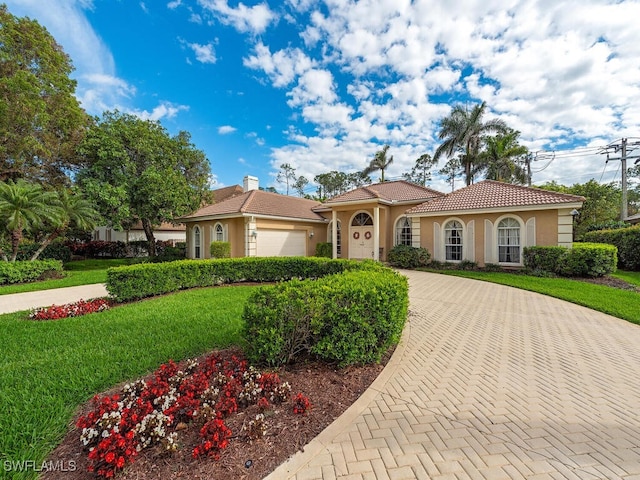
491 382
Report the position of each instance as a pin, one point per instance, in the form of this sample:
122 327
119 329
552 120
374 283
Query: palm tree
379 162
499 159
74 211
462 132
23 207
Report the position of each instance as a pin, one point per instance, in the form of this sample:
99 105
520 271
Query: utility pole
623 159
622 147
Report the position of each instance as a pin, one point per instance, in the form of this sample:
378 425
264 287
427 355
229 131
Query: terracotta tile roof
398 191
223 193
258 202
490 194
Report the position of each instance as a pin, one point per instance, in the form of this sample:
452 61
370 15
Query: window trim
396 236
462 239
521 231
215 232
197 242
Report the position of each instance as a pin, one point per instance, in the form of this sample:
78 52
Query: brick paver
491 383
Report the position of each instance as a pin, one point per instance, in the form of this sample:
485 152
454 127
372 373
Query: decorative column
334 234
376 234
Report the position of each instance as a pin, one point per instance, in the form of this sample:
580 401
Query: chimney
249 183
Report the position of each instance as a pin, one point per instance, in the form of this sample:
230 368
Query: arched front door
361 236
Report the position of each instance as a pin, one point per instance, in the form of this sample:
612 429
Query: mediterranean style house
488 222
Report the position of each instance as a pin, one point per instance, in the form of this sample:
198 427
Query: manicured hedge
583 260
220 249
324 249
145 280
347 318
405 256
627 240
22 272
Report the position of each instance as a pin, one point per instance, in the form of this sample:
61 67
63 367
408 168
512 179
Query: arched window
339 233
453 241
509 241
218 232
362 219
197 242
403 231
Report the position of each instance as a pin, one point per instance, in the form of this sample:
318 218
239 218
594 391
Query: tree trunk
46 242
148 231
16 236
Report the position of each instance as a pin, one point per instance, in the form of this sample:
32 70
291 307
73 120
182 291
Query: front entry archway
361 236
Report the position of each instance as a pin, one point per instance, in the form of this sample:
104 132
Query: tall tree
74 212
137 172
380 162
502 158
462 132
23 208
300 184
41 121
451 170
286 175
601 207
420 173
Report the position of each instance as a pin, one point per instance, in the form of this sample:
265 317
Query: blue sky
324 85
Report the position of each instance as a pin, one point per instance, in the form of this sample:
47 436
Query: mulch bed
330 390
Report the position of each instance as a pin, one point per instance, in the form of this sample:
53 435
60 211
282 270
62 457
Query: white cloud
204 53
282 67
226 129
254 19
164 110
174 4
144 8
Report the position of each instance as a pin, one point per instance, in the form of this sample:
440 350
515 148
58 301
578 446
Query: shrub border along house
343 311
627 240
583 260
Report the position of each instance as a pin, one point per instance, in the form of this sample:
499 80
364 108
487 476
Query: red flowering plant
146 413
76 309
301 404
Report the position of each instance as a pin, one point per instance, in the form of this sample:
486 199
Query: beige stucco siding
239 234
541 225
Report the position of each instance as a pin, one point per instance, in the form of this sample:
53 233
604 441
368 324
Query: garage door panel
281 243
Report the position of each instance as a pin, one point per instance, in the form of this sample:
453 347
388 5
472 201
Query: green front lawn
629 277
81 272
623 304
47 369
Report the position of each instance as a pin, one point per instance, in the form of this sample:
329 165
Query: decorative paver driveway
491 382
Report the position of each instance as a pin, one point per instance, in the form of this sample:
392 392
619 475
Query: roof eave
510 209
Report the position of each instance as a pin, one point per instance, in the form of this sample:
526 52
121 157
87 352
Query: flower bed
75 309
153 412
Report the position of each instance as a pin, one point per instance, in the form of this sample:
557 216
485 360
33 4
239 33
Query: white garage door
281 243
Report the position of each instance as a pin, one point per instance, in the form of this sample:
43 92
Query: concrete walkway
45 298
491 383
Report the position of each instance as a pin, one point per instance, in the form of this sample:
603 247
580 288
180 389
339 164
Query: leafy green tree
137 172
75 212
462 133
502 157
300 184
23 208
41 122
380 162
601 206
420 173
